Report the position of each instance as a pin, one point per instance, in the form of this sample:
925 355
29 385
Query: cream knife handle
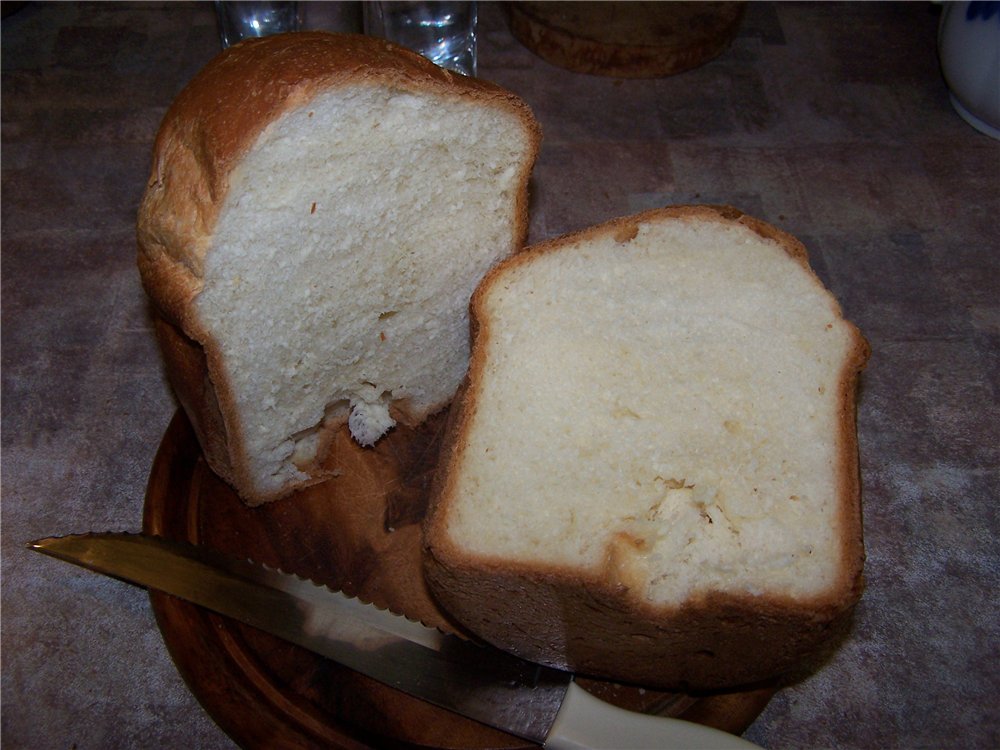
584 721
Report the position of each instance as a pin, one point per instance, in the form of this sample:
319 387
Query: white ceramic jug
969 48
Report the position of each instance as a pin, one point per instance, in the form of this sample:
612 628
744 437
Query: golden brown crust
208 129
593 625
714 642
187 371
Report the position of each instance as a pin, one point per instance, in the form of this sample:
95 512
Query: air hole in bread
312 441
306 442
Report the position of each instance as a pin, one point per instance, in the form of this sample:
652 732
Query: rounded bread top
218 116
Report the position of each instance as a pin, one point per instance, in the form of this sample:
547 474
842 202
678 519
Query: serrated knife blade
528 700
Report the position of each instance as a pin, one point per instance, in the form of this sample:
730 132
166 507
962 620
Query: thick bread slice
320 209
651 474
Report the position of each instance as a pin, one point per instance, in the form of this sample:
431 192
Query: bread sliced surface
330 277
660 407
343 261
675 395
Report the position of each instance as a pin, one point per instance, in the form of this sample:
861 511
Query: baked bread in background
651 472
319 211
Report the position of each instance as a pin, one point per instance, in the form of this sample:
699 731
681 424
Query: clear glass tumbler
240 20
444 32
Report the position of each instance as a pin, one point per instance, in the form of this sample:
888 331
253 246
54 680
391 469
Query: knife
533 702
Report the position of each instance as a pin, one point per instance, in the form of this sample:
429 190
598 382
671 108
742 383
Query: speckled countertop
830 120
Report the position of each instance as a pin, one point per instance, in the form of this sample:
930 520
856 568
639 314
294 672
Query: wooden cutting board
626 40
359 533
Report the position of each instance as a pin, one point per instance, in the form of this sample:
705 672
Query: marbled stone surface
830 120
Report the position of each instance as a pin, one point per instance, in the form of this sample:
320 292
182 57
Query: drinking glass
444 32
240 20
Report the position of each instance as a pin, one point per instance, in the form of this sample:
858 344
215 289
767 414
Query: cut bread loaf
651 472
320 208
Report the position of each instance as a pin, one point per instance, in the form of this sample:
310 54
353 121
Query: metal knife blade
480 682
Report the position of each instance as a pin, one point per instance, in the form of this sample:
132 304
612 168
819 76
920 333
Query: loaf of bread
320 209
651 471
